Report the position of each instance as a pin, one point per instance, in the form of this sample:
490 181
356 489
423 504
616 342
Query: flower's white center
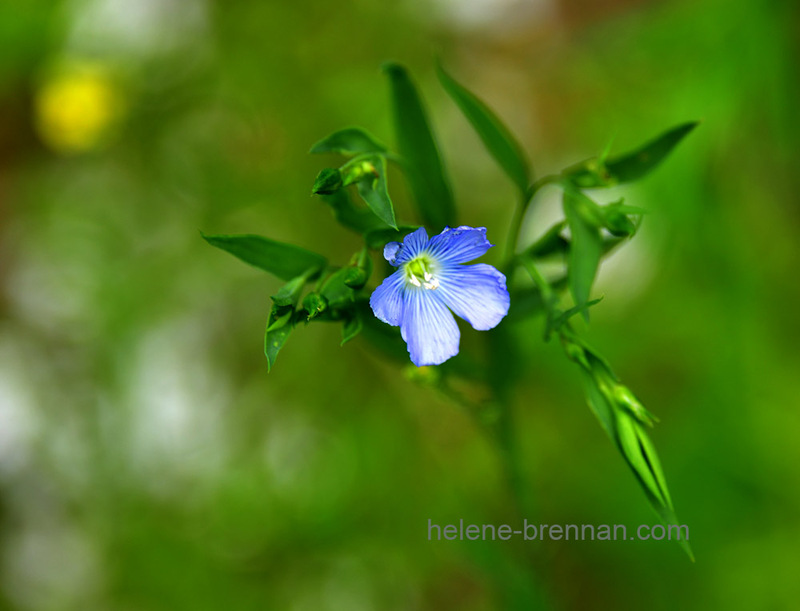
418 273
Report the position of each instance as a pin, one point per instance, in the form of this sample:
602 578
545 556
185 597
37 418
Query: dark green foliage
497 138
420 154
285 261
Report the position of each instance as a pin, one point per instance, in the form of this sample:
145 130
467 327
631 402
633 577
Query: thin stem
548 295
513 232
519 214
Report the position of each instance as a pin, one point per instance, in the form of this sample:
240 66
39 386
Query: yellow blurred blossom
76 108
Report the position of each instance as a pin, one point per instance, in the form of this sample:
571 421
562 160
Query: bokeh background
147 460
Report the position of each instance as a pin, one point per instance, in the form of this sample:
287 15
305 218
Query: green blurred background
147 460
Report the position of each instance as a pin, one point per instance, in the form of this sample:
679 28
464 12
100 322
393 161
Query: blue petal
459 245
390 251
428 328
387 300
413 244
476 293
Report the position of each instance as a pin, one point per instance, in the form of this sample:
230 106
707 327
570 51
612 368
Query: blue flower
431 282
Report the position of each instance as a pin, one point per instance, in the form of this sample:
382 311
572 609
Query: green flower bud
328 181
357 170
425 376
626 399
618 223
279 317
590 173
356 278
576 353
315 304
359 271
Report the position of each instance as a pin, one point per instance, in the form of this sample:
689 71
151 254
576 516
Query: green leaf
282 316
274 340
497 138
631 166
372 189
352 326
285 261
648 452
629 436
626 400
641 162
599 404
349 141
421 161
586 246
279 317
641 456
348 215
376 239
556 322
335 290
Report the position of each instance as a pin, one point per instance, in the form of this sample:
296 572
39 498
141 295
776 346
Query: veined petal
459 245
476 293
428 328
413 244
387 300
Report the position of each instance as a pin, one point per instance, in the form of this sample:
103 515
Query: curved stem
519 215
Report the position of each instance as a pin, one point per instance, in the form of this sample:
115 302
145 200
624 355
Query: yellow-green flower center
419 272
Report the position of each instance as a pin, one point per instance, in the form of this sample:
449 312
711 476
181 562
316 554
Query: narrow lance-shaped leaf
586 247
285 261
420 155
639 163
597 172
349 141
495 135
559 319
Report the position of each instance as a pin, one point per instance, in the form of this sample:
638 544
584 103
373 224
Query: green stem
548 295
519 215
